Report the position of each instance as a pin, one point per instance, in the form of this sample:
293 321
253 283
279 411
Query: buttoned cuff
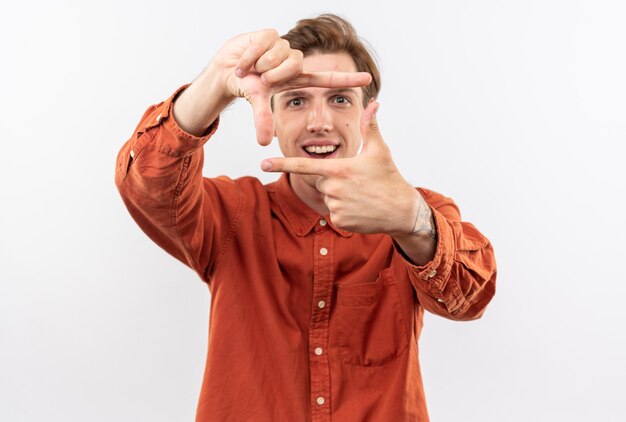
175 141
170 138
433 277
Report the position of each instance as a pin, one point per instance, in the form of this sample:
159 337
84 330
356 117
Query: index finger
300 165
330 79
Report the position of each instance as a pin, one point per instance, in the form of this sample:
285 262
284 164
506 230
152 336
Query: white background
516 109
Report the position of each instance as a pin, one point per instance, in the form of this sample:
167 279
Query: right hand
257 65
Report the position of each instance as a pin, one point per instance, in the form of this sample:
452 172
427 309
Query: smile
320 150
323 151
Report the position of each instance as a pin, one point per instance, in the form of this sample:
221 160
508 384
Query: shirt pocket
370 326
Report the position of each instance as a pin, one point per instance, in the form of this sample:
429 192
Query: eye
341 99
295 102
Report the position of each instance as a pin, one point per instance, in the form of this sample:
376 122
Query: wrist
420 221
424 223
202 102
419 243
216 83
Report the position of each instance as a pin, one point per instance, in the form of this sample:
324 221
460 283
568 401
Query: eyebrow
334 91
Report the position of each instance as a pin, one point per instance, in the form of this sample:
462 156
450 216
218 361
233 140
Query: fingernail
239 72
266 166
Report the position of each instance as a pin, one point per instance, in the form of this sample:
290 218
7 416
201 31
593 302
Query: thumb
369 128
263 118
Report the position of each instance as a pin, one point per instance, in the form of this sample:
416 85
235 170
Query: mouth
321 151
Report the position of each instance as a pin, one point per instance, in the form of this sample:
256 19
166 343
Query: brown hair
330 33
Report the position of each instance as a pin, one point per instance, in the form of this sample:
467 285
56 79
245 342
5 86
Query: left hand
365 193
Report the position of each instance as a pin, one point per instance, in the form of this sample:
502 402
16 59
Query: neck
308 193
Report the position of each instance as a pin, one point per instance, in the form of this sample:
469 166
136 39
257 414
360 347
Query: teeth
321 150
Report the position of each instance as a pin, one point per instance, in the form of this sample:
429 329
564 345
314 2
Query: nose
320 119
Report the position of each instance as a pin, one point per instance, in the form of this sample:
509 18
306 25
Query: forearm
202 102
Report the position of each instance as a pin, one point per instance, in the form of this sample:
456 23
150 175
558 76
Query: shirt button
318 351
432 273
323 251
322 222
132 154
321 304
320 400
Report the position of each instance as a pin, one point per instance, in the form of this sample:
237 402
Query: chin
311 180
306 179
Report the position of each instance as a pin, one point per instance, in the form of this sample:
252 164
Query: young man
318 281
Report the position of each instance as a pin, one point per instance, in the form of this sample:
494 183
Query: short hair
330 33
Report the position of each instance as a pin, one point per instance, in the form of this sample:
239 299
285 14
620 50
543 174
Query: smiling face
320 123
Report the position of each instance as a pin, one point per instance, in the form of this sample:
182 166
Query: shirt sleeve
159 177
459 282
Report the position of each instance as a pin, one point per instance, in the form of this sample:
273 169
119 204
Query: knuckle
332 190
341 172
269 78
271 33
271 59
294 66
337 219
301 166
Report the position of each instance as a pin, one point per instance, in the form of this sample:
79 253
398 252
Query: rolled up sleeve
459 282
159 177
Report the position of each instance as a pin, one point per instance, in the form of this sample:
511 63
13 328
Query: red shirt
307 322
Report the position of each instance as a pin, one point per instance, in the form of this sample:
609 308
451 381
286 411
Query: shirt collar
300 216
